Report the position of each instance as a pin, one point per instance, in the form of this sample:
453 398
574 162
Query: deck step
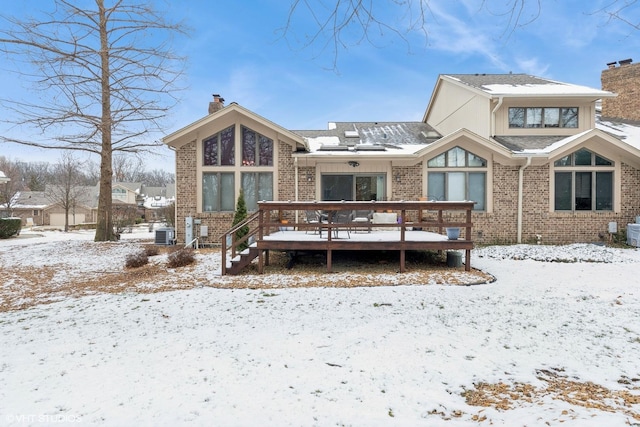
242 260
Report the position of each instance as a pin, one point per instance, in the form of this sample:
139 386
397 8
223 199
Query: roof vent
351 134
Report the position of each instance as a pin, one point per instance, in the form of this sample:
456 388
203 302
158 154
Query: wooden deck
421 226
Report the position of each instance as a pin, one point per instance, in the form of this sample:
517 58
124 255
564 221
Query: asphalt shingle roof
386 134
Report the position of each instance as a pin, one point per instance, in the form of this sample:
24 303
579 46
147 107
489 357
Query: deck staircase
241 260
238 260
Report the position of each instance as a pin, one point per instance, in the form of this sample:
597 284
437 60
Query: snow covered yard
547 343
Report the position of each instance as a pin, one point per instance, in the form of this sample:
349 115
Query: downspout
493 115
520 197
295 183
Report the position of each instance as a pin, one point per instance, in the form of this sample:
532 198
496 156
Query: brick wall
406 182
500 226
186 187
625 81
537 220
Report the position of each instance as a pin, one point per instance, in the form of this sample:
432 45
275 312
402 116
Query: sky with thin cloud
238 49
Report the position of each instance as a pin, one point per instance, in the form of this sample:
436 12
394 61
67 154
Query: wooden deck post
260 237
263 223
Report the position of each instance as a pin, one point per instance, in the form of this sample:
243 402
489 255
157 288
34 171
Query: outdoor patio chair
361 217
342 217
313 218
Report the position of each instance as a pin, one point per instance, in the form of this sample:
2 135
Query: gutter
520 197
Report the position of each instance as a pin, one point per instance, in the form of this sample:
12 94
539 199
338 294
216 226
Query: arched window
583 181
458 175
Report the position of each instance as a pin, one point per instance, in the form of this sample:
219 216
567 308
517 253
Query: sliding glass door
353 187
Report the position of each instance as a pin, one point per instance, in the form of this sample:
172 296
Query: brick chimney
217 104
625 81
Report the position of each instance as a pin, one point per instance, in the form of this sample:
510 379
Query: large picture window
257 149
462 177
218 149
583 182
218 192
257 186
543 117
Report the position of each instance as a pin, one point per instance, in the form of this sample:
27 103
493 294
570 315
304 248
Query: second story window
218 149
257 150
543 117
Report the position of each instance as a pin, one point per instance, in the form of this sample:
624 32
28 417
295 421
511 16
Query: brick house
529 151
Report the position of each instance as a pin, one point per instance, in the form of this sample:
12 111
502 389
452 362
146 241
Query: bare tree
333 26
35 174
91 173
624 11
106 78
158 178
65 186
128 168
10 189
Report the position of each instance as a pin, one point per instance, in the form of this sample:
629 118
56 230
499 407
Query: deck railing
426 215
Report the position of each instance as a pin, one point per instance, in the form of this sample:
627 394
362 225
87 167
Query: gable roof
31 200
518 85
189 133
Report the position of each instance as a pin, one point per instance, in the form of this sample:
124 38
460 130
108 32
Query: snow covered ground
371 356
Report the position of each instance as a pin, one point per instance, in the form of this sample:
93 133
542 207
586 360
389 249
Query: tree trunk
66 219
104 225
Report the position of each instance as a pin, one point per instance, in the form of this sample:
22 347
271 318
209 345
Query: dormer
511 105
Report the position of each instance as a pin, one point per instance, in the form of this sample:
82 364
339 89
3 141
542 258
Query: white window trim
237 169
617 183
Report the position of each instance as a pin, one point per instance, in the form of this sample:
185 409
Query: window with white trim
543 117
219 149
462 176
256 186
583 181
257 149
218 191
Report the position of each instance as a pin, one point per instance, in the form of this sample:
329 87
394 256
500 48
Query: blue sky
236 49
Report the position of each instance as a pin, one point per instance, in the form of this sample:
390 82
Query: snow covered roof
3 178
87 196
627 133
525 85
370 138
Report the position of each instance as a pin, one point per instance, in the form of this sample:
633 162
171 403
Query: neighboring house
3 178
529 151
155 199
38 208
126 192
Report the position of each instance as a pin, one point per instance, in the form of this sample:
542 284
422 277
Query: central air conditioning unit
633 235
165 236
